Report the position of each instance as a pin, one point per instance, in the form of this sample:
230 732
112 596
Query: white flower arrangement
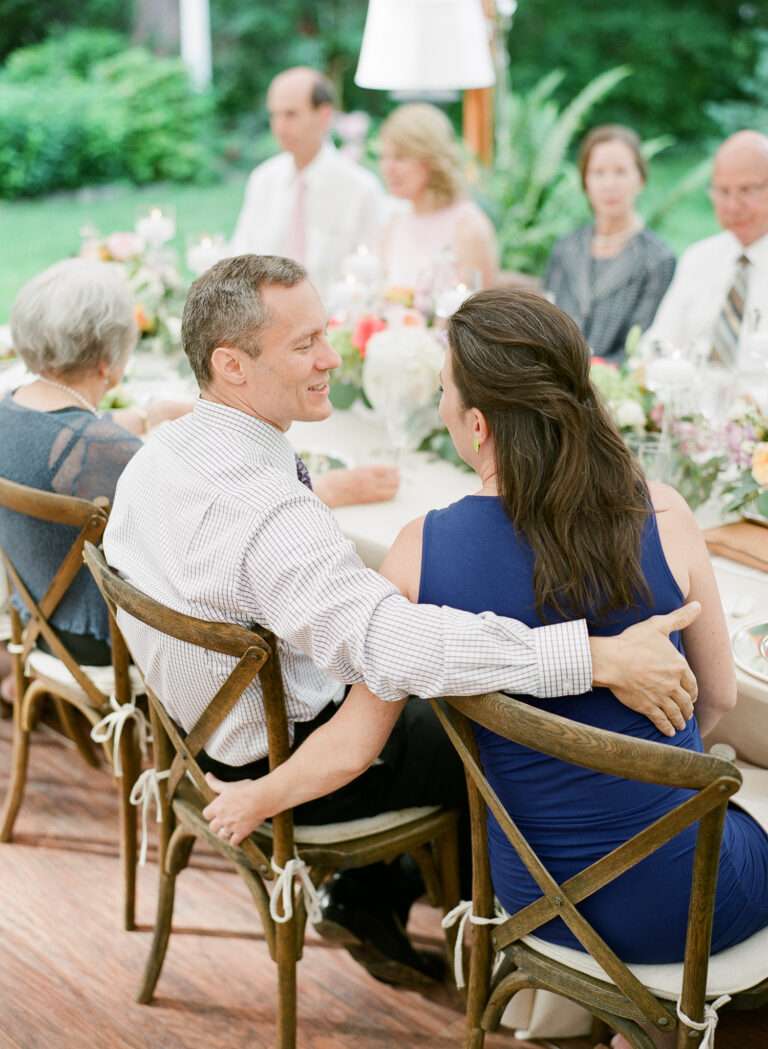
401 379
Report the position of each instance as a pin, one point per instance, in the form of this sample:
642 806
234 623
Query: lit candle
363 266
204 253
156 228
449 301
345 294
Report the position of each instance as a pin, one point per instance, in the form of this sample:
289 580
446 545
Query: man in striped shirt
213 517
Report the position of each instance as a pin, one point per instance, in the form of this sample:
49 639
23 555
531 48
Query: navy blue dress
474 559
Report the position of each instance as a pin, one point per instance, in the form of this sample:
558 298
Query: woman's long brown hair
564 475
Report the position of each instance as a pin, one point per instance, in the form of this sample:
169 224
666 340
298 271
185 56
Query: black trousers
418 766
87 650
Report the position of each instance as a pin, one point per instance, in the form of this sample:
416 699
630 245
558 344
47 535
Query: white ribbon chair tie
111 727
283 891
462 913
708 1024
144 791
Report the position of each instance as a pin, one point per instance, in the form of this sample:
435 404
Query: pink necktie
296 242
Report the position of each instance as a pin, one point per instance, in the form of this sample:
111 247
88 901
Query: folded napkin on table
743 542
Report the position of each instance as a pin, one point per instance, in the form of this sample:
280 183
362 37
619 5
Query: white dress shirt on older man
703 278
341 208
210 518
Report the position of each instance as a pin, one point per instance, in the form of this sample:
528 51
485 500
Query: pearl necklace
73 393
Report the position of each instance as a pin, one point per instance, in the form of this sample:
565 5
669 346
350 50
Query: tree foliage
684 57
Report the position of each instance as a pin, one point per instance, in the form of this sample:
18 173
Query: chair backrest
712 780
90 519
256 653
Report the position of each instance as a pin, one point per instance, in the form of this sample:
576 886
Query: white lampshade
425 45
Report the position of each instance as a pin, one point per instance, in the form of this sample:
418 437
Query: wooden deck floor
68 973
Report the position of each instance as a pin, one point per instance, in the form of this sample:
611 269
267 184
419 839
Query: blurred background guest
310 202
611 274
442 227
721 285
73 326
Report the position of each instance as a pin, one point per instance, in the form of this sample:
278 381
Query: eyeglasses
741 194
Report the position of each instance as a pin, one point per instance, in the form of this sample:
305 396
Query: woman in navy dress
564 524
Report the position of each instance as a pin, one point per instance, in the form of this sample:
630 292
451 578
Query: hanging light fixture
425 46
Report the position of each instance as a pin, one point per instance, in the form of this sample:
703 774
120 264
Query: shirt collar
757 251
248 432
309 173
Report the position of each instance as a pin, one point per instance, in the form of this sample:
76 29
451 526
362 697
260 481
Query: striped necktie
303 473
725 335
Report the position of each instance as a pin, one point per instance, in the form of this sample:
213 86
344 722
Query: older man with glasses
721 283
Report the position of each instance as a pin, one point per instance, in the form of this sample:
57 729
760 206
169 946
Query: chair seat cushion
349 830
736 969
103 677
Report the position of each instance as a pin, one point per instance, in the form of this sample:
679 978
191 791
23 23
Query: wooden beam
478 110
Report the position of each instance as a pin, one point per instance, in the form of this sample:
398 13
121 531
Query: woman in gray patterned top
73 326
611 274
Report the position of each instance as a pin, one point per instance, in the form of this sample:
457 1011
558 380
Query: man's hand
363 484
237 810
646 672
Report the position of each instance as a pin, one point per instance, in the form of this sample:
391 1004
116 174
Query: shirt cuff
564 659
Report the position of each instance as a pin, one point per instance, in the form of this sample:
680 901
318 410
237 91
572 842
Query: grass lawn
36 233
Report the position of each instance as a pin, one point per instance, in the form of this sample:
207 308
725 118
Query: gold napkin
743 542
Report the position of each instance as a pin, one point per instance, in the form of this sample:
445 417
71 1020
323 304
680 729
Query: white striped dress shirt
210 519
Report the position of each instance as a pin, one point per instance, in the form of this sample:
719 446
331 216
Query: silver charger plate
750 650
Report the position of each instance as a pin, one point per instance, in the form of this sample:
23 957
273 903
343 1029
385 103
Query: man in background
310 202
722 280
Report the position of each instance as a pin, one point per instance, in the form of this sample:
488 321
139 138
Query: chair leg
18 780
448 865
179 848
74 728
285 934
130 761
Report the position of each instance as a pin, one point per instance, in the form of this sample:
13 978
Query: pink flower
604 363
367 326
122 246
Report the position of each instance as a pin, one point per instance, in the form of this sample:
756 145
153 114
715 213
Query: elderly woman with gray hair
73 326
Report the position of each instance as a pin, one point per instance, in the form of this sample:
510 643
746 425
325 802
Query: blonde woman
442 237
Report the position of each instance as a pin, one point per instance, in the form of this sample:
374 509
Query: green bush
73 53
166 125
67 120
55 140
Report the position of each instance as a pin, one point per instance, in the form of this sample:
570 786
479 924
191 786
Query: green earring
476 445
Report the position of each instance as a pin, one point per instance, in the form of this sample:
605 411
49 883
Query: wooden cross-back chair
428 834
91 691
629 999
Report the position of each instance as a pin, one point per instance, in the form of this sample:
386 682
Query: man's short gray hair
224 307
73 316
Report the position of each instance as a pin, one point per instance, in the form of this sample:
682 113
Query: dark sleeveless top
474 559
69 451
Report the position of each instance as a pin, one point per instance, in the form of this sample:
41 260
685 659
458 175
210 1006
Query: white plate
750 650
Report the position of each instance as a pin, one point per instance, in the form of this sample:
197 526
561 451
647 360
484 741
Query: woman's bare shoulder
665 499
402 565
